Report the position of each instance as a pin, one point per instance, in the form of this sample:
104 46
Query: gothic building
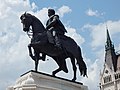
110 76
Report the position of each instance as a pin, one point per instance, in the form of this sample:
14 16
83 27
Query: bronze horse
40 44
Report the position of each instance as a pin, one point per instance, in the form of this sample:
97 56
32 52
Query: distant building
110 76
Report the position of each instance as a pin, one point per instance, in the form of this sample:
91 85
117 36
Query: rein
30 33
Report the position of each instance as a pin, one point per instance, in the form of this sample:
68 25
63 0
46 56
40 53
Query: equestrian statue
51 41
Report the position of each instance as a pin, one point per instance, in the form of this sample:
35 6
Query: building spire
109 44
111 58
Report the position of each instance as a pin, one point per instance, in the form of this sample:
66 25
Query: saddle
42 39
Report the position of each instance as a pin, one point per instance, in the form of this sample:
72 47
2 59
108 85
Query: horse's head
26 20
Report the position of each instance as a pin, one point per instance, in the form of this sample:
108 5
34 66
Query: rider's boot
57 42
50 37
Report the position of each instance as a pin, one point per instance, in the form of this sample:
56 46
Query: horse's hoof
36 70
53 74
73 79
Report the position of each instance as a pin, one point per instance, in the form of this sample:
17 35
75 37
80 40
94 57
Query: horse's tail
81 63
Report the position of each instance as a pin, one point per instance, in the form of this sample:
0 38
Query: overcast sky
85 21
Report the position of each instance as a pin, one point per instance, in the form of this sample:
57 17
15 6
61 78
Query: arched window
107 79
117 75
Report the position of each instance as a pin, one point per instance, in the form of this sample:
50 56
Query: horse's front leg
36 60
36 64
56 71
30 52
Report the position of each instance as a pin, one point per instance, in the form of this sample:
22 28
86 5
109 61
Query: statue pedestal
39 81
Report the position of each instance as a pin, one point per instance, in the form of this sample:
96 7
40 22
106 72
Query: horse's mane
28 14
35 19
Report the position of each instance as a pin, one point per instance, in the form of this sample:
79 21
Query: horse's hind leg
62 65
74 67
58 61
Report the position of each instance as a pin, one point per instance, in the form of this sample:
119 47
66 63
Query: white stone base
39 81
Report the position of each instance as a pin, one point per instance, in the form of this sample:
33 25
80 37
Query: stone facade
110 77
39 81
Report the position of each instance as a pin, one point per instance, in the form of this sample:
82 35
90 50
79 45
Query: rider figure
55 28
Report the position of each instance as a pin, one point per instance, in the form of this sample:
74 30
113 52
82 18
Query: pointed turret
110 56
109 44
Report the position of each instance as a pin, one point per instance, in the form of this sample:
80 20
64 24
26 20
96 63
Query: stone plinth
39 81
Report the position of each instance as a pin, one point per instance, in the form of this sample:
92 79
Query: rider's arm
53 22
